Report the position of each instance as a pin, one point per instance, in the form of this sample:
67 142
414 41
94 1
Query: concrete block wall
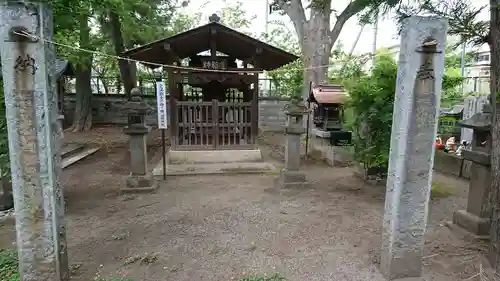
271 115
109 110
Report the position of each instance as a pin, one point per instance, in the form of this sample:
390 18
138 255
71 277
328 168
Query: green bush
9 265
4 141
370 108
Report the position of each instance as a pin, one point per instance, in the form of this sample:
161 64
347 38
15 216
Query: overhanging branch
352 9
296 13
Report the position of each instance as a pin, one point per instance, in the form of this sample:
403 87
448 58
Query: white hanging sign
161 104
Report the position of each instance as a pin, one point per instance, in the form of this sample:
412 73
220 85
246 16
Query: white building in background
477 73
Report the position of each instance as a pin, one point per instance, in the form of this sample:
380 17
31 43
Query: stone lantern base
291 179
472 223
140 183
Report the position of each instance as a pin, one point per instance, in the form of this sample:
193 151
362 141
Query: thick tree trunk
494 42
126 69
316 48
83 112
82 119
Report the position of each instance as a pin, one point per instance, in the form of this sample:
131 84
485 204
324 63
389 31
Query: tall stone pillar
411 158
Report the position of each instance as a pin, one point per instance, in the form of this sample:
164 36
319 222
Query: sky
386 35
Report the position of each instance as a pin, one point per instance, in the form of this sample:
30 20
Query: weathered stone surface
292 152
138 183
472 223
28 70
416 107
291 179
138 155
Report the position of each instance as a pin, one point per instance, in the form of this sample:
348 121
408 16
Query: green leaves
463 17
371 106
4 141
9 265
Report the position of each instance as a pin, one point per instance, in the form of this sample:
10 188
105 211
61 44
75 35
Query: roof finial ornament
214 18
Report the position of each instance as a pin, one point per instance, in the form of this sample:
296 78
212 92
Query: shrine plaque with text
214 63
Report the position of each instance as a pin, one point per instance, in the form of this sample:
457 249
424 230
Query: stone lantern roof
480 121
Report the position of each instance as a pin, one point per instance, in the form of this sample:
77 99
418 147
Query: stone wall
109 110
451 164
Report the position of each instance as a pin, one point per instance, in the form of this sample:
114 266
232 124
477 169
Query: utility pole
462 65
375 35
31 108
268 11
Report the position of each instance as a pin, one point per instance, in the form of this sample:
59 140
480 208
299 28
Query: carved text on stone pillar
26 63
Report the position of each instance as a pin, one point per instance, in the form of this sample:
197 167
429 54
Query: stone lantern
139 179
290 176
477 216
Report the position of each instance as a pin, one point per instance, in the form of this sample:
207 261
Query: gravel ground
224 227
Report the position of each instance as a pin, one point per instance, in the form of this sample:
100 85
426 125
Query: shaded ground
222 227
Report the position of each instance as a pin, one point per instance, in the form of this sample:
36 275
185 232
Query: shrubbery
370 110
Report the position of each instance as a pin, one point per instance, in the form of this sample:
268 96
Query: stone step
216 169
214 156
72 158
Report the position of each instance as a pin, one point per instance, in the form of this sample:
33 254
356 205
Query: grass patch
9 265
440 190
9 268
275 277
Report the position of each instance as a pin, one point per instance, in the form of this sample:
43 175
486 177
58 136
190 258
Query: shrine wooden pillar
255 98
174 122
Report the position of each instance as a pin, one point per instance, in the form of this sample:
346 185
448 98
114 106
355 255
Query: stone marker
140 179
476 218
29 87
414 126
290 176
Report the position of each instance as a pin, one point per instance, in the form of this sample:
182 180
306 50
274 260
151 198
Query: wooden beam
171 52
213 43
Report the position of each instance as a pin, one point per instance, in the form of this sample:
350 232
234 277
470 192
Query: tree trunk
316 48
82 119
83 112
494 42
126 71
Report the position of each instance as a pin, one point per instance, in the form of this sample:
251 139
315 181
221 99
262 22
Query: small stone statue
450 145
463 145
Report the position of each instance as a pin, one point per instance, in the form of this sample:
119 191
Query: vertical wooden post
215 123
172 109
255 111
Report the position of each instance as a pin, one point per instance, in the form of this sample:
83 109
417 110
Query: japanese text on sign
214 64
161 104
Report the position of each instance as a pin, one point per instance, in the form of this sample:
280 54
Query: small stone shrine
139 179
328 103
290 176
475 218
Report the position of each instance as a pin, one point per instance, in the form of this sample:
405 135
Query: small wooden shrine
328 102
213 100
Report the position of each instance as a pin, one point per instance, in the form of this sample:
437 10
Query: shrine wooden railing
212 125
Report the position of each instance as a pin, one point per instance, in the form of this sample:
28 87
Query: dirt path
222 227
